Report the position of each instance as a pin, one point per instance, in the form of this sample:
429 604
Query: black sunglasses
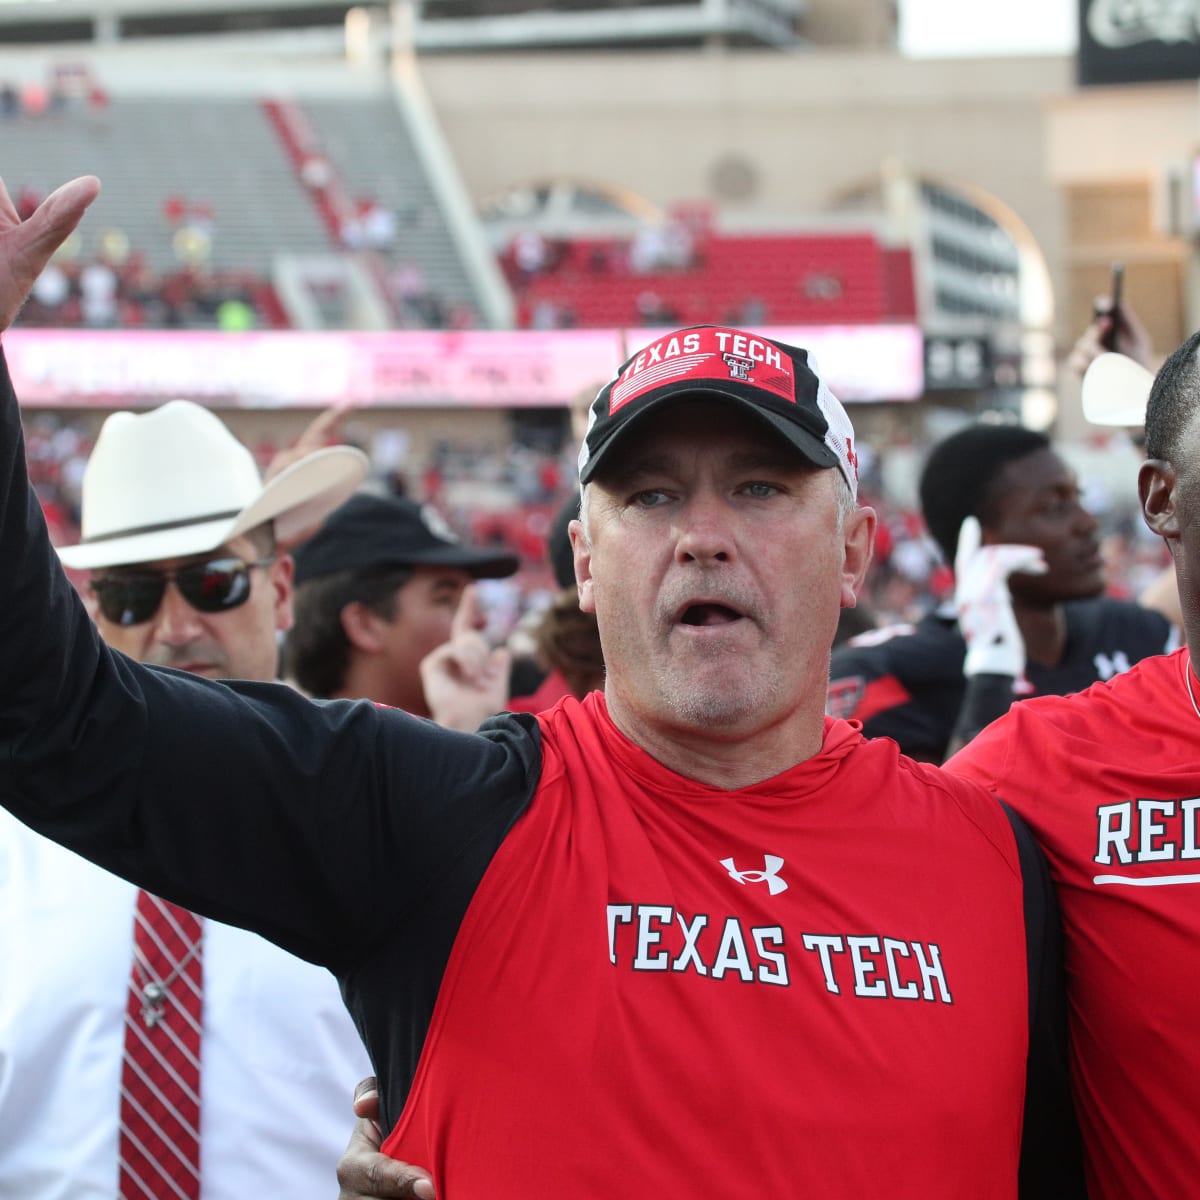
209 587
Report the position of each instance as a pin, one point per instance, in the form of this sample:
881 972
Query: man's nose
1085 521
705 531
176 621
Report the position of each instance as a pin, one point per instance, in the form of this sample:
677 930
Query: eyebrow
445 583
753 460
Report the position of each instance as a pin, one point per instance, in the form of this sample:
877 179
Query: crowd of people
909 573
634 891
115 285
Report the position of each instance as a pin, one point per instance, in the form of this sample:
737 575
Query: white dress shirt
280 1056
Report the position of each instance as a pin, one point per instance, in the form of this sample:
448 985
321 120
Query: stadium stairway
368 144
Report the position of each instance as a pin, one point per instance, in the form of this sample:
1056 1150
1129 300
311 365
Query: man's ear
361 625
859 532
583 567
1156 490
281 575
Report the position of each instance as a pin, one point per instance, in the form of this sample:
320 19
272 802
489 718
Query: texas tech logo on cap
780 384
739 368
707 355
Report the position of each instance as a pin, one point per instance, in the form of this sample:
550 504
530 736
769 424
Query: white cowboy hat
1115 391
175 481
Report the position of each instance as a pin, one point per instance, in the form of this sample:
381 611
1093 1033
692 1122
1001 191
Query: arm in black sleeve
1051 1166
986 698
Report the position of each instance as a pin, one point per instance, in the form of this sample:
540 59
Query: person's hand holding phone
1115 326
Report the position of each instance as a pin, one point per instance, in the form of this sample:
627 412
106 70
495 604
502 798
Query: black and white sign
1138 41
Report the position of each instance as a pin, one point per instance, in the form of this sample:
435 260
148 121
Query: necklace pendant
154 998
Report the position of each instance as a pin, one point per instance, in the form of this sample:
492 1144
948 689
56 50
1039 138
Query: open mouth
709 614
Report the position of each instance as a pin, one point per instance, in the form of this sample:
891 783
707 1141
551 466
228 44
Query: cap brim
297 500
1115 391
479 564
801 439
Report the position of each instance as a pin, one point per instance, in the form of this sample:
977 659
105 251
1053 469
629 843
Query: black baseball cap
371 530
778 384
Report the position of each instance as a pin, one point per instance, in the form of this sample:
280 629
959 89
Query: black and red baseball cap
777 384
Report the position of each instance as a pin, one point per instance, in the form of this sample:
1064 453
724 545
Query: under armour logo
1107 667
768 875
739 368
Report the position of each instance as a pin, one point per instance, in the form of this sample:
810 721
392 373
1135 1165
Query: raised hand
323 430
1127 333
27 246
464 679
984 604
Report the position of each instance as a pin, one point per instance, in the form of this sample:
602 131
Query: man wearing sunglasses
183 543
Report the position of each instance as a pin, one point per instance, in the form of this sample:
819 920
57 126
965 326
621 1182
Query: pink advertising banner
472 369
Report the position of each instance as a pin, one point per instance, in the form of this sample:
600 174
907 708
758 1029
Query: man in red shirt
1109 780
688 928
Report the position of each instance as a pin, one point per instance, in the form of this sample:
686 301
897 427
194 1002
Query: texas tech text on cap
778 384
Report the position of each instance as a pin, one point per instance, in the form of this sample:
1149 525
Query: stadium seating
778 279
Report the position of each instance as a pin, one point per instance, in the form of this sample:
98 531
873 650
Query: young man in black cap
377 588
687 928
907 682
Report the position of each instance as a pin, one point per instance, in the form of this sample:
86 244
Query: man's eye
650 498
1056 507
760 491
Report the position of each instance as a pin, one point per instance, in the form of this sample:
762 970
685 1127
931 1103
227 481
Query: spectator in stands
35 100
376 590
97 105
378 226
907 682
410 292
652 309
234 315
678 246
531 255
51 291
98 285
648 250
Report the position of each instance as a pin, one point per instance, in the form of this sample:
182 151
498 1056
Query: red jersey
812 987
1109 780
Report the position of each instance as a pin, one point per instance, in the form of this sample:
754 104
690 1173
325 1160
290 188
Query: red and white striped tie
160 1075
